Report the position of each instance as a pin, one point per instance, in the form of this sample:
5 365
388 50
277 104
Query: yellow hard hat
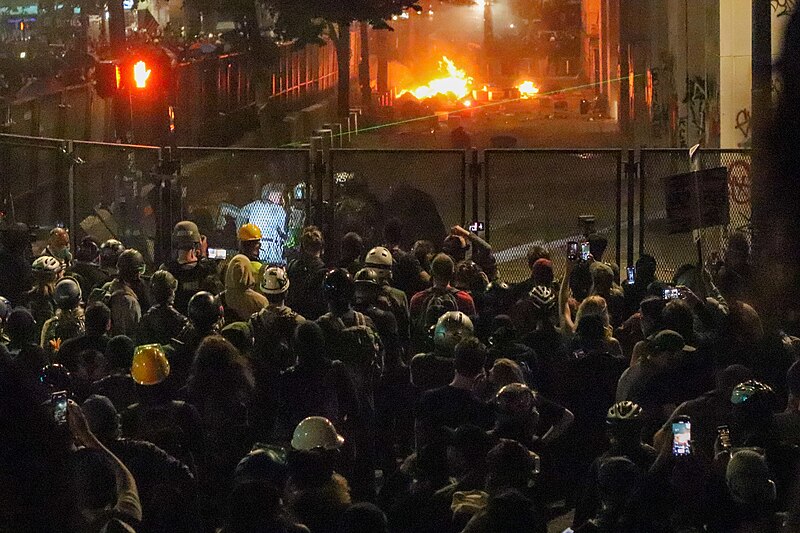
316 432
249 232
150 365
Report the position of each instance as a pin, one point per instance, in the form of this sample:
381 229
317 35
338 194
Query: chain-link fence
220 183
528 197
115 194
534 197
424 189
673 250
34 180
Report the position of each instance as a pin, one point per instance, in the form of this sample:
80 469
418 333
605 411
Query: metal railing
673 250
524 197
534 197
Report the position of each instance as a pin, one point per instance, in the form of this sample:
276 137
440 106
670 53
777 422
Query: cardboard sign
683 212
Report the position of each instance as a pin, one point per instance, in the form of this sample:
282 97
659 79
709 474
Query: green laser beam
467 109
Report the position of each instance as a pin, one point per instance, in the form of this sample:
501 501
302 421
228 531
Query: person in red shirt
427 306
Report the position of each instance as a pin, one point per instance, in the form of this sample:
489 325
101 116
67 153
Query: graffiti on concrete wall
682 132
699 91
783 8
742 125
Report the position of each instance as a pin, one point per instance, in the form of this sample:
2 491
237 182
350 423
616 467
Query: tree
314 21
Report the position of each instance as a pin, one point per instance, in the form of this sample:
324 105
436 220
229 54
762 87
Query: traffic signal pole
116 37
766 229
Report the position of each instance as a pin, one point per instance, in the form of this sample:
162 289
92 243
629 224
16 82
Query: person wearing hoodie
128 294
239 299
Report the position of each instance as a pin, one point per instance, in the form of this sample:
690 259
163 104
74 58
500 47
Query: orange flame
141 74
527 89
456 83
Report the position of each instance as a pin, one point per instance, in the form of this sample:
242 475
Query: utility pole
116 26
116 37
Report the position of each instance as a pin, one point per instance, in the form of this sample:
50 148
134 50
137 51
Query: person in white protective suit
269 215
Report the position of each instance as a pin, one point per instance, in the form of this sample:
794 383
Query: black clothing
89 276
385 324
173 426
406 271
305 291
517 352
16 279
641 455
322 388
193 278
273 328
449 407
160 325
431 371
167 488
73 347
30 359
119 388
180 354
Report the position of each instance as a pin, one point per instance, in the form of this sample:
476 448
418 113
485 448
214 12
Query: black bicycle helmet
338 285
130 264
204 310
625 411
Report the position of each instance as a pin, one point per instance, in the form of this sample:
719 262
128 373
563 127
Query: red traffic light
141 74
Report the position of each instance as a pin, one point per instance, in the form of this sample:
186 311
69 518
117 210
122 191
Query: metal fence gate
534 197
525 197
424 189
672 251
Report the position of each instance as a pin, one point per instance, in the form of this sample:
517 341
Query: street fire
527 89
455 85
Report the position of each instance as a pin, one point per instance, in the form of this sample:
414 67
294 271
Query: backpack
101 294
437 303
273 332
69 327
359 349
159 425
357 346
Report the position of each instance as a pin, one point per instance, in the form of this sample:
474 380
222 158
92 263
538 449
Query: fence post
642 193
486 200
474 175
5 182
618 211
630 177
72 161
318 177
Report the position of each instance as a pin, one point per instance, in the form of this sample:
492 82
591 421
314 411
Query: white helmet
452 328
316 432
47 263
274 281
380 259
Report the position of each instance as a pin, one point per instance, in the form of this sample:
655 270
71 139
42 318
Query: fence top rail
400 150
30 138
39 146
254 149
116 145
555 150
33 139
702 151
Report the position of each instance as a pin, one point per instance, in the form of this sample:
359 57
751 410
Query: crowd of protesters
395 390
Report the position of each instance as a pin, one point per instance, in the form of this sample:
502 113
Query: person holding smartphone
642 274
127 509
